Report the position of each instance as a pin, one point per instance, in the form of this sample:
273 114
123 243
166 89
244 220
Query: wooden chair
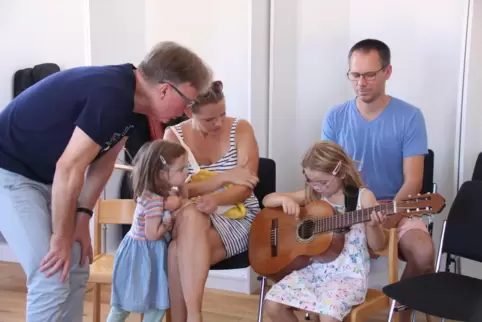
376 300
117 211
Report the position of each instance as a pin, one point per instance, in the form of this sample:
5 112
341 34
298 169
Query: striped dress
233 232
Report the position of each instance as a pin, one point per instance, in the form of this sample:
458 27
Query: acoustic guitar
280 244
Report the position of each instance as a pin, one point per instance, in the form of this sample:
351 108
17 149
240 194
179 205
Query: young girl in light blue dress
140 266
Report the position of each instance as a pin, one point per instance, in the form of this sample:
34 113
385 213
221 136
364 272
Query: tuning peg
418 195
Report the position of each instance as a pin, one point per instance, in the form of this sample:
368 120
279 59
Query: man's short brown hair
170 62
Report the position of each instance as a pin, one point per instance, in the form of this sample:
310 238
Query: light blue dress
140 266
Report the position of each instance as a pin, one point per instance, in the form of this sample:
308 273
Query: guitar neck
352 217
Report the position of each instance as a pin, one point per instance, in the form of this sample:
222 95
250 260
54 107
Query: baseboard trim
236 280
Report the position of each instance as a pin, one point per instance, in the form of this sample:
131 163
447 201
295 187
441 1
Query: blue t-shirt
37 125
378 146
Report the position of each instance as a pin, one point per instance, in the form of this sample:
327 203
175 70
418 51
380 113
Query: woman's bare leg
194 254
176 298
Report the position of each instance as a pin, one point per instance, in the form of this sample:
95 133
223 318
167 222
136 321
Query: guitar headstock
428 203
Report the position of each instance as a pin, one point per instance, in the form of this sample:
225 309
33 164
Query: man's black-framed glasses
189 102
368 76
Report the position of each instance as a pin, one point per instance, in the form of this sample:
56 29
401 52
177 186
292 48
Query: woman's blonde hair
212 96
324 156
152 158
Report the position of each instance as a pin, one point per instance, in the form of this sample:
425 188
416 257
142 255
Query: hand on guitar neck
292 208
393 220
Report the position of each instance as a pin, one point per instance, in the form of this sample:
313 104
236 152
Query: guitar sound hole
306 229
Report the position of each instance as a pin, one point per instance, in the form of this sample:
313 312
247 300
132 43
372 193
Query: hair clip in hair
217 86
337 168
163 160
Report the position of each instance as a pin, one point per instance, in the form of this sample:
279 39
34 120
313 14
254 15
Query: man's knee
77 278
46 297
417 249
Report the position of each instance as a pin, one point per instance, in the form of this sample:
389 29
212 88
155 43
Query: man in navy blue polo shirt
59 141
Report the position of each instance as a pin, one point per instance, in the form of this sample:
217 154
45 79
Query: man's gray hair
170 62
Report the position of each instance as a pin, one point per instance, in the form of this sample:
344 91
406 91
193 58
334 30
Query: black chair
428 184
477 175
444 294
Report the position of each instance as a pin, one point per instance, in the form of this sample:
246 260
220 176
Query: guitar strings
323 222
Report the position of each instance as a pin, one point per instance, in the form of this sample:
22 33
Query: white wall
219 31
117 31
30 35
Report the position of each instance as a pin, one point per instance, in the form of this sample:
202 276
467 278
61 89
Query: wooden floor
218 306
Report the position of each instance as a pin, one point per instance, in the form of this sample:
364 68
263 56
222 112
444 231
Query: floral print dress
330 288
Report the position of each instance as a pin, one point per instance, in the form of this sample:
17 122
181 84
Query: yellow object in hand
233 212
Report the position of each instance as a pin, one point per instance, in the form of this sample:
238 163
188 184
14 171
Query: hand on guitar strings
290 207
377 218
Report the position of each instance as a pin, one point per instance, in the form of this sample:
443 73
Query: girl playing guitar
328 289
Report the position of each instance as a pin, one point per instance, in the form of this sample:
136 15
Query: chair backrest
428 165
477 175
116 211
462 232
267 179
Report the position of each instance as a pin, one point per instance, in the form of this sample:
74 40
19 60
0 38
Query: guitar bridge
274 238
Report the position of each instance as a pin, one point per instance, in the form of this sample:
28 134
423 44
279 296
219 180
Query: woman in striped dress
203 237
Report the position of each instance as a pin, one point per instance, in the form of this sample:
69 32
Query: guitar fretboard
351 218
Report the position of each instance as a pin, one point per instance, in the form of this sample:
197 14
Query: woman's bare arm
248 153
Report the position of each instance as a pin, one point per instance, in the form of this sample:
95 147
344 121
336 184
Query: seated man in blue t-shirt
388 139
59 141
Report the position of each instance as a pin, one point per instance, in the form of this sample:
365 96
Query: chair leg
392 311
262 279
168 318
96 302
430 225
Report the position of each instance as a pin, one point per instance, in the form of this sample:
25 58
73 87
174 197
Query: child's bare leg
278 312
327 318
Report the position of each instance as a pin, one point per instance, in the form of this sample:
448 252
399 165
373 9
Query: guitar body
279 244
